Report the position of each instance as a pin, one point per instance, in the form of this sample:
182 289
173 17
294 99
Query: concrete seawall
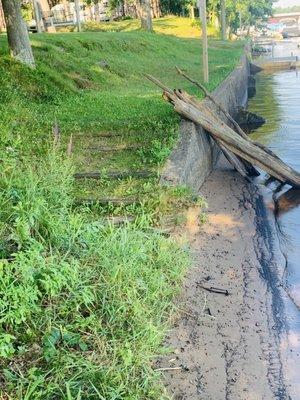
196 154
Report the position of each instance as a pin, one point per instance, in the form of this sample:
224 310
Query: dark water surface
278 101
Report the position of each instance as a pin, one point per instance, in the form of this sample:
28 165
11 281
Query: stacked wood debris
242 152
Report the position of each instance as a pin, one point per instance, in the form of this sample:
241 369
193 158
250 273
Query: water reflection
287 201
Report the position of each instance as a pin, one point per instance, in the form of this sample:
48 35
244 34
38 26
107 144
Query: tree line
235 12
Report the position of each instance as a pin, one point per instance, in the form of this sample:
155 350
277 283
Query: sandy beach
228 346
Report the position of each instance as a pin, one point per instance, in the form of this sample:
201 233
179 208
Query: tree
146 15
17 33
156 8
176 7
2 22
250 11
46 14
223 20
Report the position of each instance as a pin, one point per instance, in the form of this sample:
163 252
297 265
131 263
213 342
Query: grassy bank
92 82
170 25
84 305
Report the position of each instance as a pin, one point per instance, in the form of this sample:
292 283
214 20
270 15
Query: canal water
278 101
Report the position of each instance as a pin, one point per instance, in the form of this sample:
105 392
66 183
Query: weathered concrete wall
196 153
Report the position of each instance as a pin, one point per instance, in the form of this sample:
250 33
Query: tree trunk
17 33
37 17
192 12
2 22
223 20
77 13
98 12
146 19
156 8
46 15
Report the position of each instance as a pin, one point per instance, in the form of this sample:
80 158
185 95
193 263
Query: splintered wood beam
236 126
241 146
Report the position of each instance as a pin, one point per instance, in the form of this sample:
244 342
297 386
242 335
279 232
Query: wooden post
77 12
223 20
202 10
37 16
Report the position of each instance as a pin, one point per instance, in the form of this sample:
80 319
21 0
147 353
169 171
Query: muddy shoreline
230 347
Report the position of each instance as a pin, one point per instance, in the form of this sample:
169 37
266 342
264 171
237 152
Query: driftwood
236 126
251 170
242 166
241 145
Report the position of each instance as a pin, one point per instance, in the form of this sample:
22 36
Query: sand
228 347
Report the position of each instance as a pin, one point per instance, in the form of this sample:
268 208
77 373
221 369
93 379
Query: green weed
83 305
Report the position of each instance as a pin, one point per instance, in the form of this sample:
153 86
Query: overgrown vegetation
84 305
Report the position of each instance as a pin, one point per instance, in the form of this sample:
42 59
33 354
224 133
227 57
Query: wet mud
229 347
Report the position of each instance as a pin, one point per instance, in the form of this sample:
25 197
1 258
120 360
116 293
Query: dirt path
228 346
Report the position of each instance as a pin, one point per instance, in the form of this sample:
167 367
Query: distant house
279 18
64 14
287 23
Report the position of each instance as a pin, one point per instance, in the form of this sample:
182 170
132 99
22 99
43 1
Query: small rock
103 64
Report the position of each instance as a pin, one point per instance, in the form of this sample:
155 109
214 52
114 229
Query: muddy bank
229 346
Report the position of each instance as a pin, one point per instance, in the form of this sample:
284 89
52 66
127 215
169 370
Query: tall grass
83 306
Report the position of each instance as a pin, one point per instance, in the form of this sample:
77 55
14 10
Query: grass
170 25
71 86
93 82
84 305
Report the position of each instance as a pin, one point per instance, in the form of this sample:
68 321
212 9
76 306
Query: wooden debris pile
242 152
